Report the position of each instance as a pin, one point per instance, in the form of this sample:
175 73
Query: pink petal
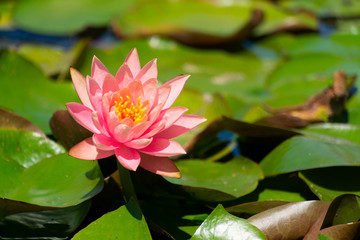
106 105
124 76
109 85
139 129
136 89
176 84
150 91
99 123
88 151
163 94
82 115
112 120
132 60
162 147
172 115
128 157
148 71
154 114
122 133
80 86
154 129
105 143
159 165
139 143
184 124
95 93
98 71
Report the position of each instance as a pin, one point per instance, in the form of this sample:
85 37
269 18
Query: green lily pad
211 71
52 59
338 130
214 181
127 222
27 92
39 222
166 17
66 17
301 153
222 225
325 8
329 183
38 171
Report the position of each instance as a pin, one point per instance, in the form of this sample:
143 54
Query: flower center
127 109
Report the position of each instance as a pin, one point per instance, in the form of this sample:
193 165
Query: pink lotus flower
130 117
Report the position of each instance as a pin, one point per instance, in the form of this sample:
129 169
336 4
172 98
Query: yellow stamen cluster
127 109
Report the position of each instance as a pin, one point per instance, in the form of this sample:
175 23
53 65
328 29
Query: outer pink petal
132 60
109 85
184 124
139 143
172 115
95 93
80 86
139 129
148 71
128 157
162 96
176 84
124 76
105 143
98 71
159 165
162 147
155 128
150 91
82 115
88 151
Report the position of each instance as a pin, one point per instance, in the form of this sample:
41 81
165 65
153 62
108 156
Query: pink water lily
130 116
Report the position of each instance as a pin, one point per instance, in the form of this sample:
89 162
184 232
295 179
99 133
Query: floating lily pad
127 222
301 153
38 171
213 181
236 228
66 17
27 92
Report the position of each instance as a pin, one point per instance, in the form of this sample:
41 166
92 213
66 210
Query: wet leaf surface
213 227
289 221
127 222
215 181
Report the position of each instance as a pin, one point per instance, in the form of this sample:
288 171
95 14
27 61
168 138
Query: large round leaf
127 222
66 17
41 223
29 93
220 225
339 130
328 183
300 153
166 17
213 181
36 170
211 71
